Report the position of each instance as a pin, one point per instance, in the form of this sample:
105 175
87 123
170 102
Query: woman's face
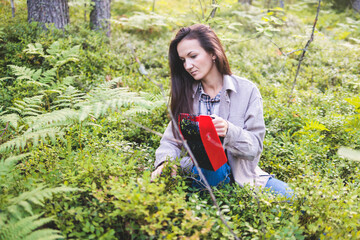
196 60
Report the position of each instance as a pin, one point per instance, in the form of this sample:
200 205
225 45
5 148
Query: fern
56 56
17 220
23 202
21 141
57 117
70 55
12 118
2 112
25 228
29 106
48 77
22 72
36 49
108 96
68 99
33 77
8 165
44 234
98 104
72 107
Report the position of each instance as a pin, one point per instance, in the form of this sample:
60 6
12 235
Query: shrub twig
303 53
150 130
186 146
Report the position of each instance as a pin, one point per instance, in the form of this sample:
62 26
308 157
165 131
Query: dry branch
303 53
7 124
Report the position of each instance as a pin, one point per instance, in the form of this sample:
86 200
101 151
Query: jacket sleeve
168 149
246 142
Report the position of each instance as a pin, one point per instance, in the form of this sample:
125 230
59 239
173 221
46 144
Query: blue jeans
222 176
279 187
214 178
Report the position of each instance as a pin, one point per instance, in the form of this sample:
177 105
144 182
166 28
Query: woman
202 83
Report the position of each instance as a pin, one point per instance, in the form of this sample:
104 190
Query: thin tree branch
213 11
283 54
297 50
186 146
150 130
303 53
7 124
202 10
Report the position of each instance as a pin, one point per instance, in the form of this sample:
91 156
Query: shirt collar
228 85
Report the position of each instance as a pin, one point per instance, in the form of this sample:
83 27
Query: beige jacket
241 106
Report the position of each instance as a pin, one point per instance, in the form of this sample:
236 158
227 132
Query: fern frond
36 196
22 72
24 227
99 108
135 110
7 165
69 98
157 100
28 74
21 141
28 106
54 49
58 57
36 75
58 117
31 111
68 55
35 49
152 97
2 111
64 61
14 222
44 234
12 118
105 97
48 76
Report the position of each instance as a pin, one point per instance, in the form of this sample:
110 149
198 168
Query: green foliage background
75 166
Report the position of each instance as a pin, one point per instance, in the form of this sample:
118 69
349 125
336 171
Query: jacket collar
228 85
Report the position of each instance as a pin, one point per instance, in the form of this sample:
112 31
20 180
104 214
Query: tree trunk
356 5
12 8
245 1
49 11
281 3
100 15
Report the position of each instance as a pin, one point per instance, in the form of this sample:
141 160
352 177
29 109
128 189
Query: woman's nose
188 65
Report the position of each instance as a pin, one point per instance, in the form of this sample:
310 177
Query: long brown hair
181 100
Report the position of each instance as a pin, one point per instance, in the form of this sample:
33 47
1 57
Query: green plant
17 218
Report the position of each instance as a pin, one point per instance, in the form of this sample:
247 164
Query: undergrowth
75 163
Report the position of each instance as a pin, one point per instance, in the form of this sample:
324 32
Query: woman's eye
194 56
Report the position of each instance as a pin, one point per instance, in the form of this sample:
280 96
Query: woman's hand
159 170
220 125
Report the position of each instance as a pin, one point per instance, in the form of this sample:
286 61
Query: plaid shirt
208 105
